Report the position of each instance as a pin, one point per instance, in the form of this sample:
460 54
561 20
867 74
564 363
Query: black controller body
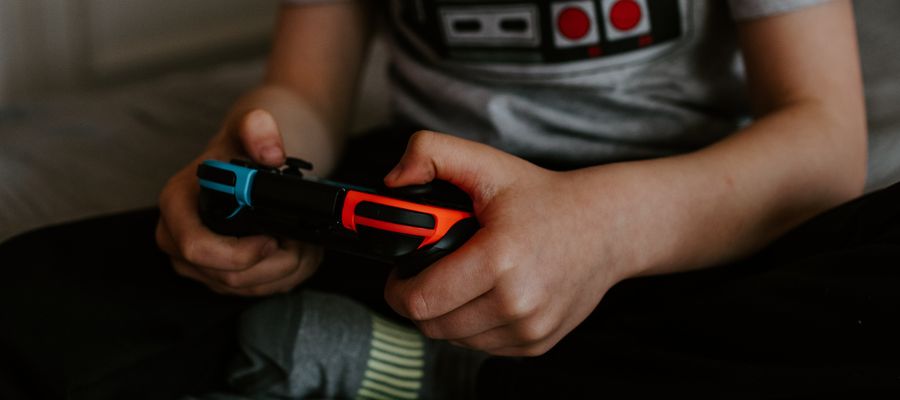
410 227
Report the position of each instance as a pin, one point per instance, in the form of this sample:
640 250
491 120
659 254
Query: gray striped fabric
396 362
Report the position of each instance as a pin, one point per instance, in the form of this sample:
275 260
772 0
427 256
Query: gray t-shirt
576 82
583 82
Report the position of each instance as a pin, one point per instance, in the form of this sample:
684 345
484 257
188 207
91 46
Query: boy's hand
247 266
530 274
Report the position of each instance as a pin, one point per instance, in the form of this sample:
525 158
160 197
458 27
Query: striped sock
316 345
396 362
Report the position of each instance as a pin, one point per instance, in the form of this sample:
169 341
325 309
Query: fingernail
270 154
262 120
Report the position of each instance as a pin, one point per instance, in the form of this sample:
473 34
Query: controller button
394 215
216 175
298 164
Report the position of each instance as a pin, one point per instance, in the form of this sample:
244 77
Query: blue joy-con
230 179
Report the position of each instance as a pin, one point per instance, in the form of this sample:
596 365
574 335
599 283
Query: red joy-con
444 218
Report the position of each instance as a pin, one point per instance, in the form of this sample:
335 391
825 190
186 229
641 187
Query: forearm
318 52
311 78
805 153
725 201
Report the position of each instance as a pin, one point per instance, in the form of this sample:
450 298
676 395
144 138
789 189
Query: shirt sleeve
750 9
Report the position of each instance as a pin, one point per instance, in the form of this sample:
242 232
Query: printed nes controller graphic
541 31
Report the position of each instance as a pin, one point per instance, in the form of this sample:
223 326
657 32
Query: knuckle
500 261
234 280
514 306
533 331
416 304
429 329
420 139
241 259
192 251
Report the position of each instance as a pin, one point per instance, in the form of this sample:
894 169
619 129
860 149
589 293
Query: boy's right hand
245 266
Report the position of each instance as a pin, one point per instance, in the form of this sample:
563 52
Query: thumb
258 133
474 167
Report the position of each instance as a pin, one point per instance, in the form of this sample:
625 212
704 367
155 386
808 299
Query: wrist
630 215
601 206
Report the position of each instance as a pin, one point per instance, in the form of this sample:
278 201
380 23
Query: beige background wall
51 45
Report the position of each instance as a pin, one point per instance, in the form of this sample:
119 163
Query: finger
446 285
185 269
527 337
473 318
283 285
279 265
511 299
310 259
261 139
476 168
528 350
200 246
280 286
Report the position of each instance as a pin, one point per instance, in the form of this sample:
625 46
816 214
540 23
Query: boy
643 111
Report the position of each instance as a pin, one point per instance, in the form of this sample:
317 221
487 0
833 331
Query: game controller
410 227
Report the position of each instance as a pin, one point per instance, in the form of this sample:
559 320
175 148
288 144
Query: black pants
92 310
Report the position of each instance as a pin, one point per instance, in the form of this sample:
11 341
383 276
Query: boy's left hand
538 266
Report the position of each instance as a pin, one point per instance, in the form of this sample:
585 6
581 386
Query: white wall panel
129 33
40 46
49 45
